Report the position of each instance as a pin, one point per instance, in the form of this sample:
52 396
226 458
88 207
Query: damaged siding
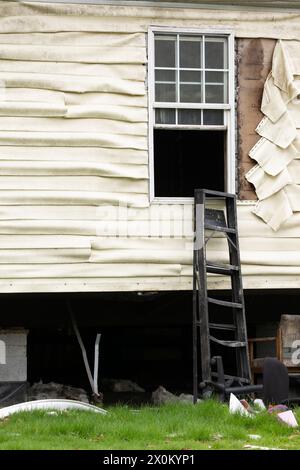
74 205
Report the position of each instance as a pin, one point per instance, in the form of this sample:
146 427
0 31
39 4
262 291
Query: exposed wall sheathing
74 204
254 62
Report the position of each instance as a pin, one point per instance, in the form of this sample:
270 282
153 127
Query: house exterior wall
74 197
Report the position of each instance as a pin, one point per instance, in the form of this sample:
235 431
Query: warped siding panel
33 168
40 212
71 83
27 227
73 154
142 256
44 256
71 183
72 139
94 98
79 39
118 113
85 198
140 243
84 54
104 212
68 98
15 242
105 126
31 94
33 109
57 18
88 270
128 72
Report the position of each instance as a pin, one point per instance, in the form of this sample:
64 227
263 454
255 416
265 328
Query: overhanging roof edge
265 6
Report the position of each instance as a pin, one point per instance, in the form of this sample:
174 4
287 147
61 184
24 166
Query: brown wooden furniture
288 331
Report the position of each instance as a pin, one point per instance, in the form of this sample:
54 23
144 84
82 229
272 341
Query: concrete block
13 355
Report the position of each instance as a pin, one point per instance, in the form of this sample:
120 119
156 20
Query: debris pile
161 396
282 412
41 391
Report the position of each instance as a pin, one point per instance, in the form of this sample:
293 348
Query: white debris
51 404
259 403
255 437
249 446
235 406
288 417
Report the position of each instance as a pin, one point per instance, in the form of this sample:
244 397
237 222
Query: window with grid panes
190 112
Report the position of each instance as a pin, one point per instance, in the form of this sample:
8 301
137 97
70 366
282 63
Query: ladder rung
224 303
228 343
225 269
222 326
218 193
218 228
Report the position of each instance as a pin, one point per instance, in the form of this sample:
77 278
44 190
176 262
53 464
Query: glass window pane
189 116
165 51
165 92
215 53
190 93
213 117
165 116
190 52
165 75
215 77
190 76
214 94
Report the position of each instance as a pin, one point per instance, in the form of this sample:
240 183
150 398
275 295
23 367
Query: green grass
207 425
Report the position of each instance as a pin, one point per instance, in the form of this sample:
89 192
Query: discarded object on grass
260 404
288 417
255 437
277 408
246 405
249 446
52 404
235 406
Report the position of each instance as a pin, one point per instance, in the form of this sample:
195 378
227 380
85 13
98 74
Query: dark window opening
188 159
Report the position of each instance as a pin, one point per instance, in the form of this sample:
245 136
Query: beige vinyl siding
74 194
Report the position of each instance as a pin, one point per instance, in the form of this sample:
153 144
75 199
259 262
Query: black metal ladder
208 222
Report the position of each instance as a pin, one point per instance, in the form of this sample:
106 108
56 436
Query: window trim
230 165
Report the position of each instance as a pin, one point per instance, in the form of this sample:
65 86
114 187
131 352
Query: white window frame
229 110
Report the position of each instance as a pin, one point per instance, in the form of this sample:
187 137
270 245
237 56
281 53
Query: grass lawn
207 425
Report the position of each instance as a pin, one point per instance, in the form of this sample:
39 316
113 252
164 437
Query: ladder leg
195 335
202 288
242 355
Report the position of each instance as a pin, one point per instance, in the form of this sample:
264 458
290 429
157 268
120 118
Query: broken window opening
186 159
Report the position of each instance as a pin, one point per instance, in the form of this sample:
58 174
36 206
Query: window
191 106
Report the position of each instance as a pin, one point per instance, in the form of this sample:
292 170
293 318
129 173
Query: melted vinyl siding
74 206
